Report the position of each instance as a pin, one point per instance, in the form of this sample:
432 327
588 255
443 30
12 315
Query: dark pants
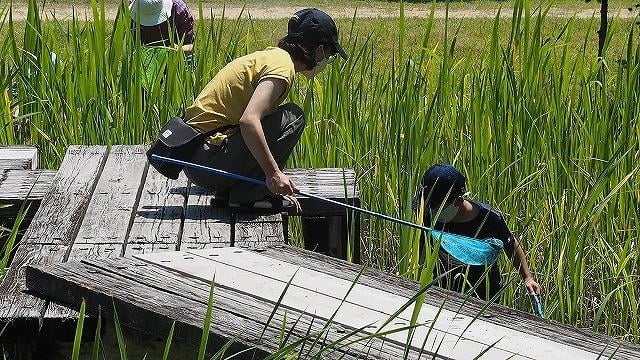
463 278
282 130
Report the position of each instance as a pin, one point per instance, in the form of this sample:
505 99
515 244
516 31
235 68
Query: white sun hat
151 12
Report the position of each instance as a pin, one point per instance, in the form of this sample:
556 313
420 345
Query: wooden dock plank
333 183
248 283
53 227
340 181
108 216
496 314
19 157
333 289
133 288
19 185
236 302
204 226
321 294
112 205
204 265
157 225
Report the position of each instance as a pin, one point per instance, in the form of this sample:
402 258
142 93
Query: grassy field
542 129
282 9
456 5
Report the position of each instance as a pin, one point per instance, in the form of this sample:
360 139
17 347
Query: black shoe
270 204
219 202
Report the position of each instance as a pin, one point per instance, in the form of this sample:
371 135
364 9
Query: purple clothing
183 21
182 25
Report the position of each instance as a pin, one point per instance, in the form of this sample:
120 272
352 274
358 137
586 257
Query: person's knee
296 117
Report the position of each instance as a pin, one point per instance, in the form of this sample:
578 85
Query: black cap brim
340 50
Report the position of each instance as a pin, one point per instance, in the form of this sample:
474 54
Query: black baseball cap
315 27
439 181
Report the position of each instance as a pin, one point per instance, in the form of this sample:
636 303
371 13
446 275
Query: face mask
316 69
447 214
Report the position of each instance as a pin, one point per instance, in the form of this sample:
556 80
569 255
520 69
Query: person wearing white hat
163 23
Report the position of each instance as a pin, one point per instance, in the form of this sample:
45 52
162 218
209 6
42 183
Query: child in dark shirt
447 209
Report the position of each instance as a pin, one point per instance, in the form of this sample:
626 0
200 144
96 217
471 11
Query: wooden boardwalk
151 291
109 203
16 186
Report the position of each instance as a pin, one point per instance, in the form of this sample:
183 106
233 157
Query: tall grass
10 236
543 130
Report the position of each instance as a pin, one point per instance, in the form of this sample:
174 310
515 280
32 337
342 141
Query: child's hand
532 286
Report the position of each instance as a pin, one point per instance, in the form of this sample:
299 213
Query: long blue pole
260 182
537 303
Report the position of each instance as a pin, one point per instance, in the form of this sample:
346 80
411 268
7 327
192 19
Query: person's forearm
187 48
251 130
520 261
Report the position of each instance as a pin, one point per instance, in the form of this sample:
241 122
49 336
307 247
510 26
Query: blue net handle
468 250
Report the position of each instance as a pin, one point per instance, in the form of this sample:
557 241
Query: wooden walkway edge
151 291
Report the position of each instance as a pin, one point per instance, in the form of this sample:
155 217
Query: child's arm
520 262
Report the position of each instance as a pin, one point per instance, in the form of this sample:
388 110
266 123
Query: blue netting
468 250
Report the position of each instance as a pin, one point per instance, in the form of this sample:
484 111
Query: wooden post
232 222
330 235
604 22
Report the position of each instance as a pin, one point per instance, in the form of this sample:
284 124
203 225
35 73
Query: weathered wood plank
258 231
138 306
157 225
204 226
53 227
114 200
230 300
19 185
371 298
149 298
454 335
19 157
106 222
327 227
497 314
246 304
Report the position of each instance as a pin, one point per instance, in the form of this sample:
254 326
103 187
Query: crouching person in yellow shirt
257 134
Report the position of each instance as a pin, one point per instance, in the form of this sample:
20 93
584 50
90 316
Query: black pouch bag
177 140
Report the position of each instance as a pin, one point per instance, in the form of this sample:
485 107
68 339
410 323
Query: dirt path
61 12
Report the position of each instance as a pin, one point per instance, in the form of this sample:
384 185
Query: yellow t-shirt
223 101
